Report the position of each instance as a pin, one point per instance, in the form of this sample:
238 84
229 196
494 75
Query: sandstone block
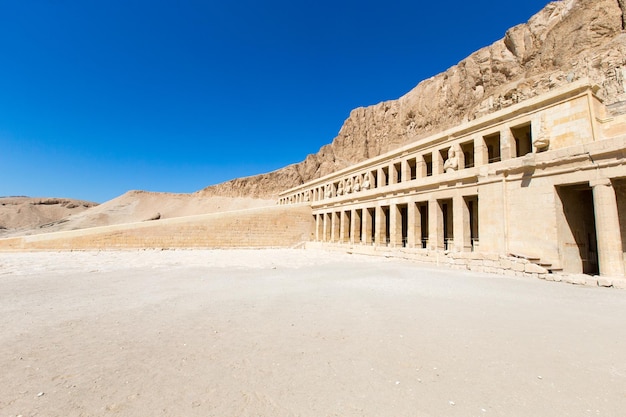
619 283
575 279
517 267
536 269
506 263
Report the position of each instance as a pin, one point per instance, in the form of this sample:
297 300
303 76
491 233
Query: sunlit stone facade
540 186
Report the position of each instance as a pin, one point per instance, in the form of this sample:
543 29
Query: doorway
577 229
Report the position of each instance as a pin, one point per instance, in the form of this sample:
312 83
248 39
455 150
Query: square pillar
437 163
395 226
406 170
435 225
344 229
414 225
366 228
318 232
380 233
507 144
393 174
481 154
355 226
381 178
420 167
327 227
336 226
608 232
462 232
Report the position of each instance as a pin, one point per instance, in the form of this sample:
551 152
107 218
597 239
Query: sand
299 333
26 216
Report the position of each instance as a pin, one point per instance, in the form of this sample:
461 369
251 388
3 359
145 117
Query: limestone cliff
566 41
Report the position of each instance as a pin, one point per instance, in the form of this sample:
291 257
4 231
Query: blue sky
101 97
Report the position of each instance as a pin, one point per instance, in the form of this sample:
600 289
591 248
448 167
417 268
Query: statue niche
452 163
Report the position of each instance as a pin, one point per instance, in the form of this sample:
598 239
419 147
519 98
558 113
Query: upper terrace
563 118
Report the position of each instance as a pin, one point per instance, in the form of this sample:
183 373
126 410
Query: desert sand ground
299 333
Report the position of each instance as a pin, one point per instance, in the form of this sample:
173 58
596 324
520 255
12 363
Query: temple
538 187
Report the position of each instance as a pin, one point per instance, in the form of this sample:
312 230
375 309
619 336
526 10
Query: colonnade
480 149
435 224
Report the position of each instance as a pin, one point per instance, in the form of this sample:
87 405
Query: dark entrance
577 229
404 216
448 224
423 209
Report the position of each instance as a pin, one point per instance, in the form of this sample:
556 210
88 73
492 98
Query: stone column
346 224
380 236
507 144
326 226
335 232
608 235
413 225
366 227
481 154
381 178
317 227
406 170
393 174
355 219
420 167
437 163
461 228
395 226
435 226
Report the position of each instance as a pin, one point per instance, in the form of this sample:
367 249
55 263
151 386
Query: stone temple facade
538 187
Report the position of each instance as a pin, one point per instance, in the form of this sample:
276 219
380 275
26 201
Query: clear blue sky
100 97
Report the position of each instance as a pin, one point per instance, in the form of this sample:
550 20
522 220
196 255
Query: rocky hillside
25 213
566 41
24 216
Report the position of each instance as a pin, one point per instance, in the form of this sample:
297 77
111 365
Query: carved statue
328 192
366 182
307 196
340 188
357 184
348 188
452 163
542 142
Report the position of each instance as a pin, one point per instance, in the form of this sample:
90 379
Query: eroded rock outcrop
566 41
26 213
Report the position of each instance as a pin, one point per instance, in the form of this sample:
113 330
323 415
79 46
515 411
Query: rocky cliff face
566 41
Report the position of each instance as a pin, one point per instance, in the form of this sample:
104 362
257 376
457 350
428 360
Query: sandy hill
21 214
138 206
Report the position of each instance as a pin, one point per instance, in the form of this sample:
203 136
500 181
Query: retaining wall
276 226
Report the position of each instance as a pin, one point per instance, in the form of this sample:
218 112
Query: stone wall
489 263
279 226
